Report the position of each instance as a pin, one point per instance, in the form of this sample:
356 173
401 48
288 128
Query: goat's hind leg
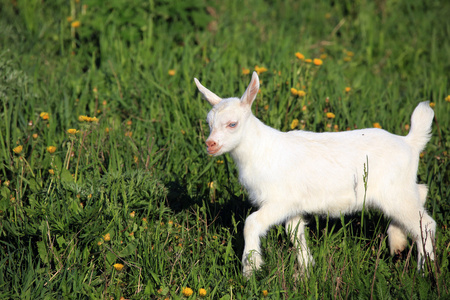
295 229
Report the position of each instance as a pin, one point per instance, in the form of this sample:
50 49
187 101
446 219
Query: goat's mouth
213 151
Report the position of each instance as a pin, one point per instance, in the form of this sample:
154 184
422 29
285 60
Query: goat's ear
252 90
212 98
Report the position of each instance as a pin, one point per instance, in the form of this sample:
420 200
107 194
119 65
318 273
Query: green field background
107 192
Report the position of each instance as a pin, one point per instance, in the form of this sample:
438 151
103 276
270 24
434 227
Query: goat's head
228 117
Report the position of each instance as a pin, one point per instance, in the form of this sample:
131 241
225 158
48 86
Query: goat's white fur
290 174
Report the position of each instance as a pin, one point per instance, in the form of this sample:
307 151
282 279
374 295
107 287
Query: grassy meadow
107 191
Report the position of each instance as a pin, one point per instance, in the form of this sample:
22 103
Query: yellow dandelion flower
348 89
219 162
406 126
82 118
350 54
266 107
245 71
317 61
51 149
299 55
45 115
308 60
118 267
136 159
132 214
75 24
211 184
294 91
260 70
35 135
183 132
265 293
72 131
99 243
432 104
129 122
107 237
447 98
330 115
202 292
376 125
107 129
18 149
187 292
301 93
172 72
51 171
128 133
347 58
144 219
294 123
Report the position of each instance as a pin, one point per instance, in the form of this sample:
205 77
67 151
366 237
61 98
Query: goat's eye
232 124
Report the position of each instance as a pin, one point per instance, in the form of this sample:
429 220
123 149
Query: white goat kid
291 174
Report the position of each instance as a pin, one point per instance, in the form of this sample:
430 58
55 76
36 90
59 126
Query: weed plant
106 188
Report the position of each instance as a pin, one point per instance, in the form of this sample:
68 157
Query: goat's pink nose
210 144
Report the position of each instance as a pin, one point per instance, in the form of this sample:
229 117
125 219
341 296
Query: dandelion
406 126
432 104
308 60
330 115
211 184
44 115
136 159
301 93
265 293
350 54
75 24
317 61
347 58
172 72
132 214
35 135
82 118
99 243
219 162
129 122
72 131
170 223
294 123
266 107
377 125
260 70
348 89
118 267
187 292
183 132
51 149
51 171
129 133
245 71
18 149
202 292
447 98
294 91
107 237
299 56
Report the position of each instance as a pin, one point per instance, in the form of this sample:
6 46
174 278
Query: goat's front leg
295 229
256 226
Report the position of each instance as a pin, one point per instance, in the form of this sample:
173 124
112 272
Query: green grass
141 173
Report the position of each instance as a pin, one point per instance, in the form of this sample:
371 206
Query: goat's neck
253 144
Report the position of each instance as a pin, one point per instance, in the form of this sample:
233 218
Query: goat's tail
420 132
